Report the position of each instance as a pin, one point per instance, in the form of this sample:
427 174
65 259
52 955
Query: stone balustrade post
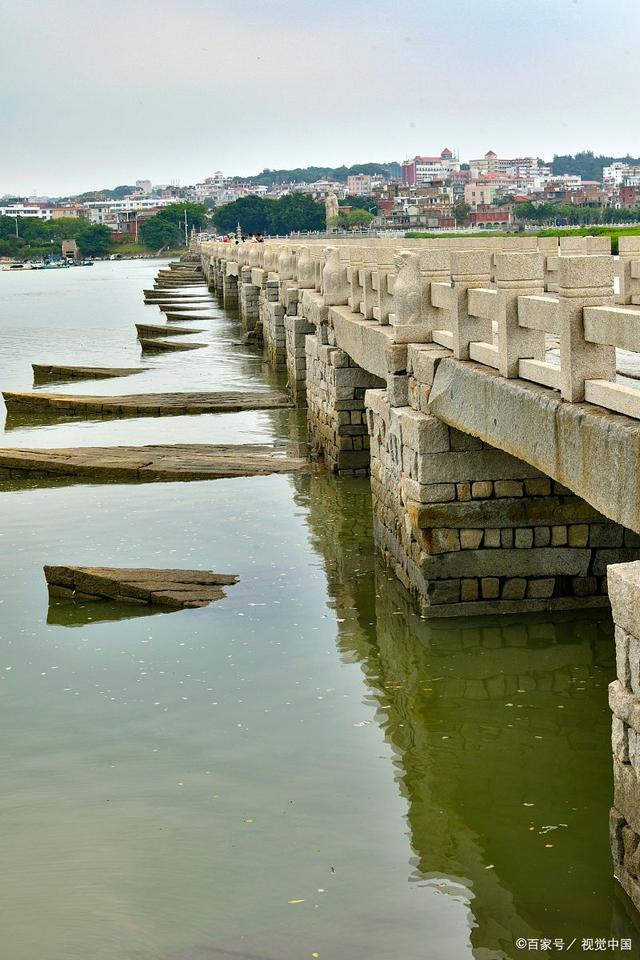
368 268
629 251
414 317
468 269
624 700
517 274
305 273
335 285
286 263
271 255
356 298
585 281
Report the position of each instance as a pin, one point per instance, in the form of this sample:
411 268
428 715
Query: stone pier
230 291
624 699
468 528
248 301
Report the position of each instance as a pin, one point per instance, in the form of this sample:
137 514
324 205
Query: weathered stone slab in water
201 291
151 345
175 589
52 371
167 462
163 329
142 404
186 316
179 303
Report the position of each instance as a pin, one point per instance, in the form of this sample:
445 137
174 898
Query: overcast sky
100 93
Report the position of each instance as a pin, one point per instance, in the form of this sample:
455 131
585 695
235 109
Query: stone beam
582 446
365 342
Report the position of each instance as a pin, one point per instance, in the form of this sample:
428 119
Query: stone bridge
489 387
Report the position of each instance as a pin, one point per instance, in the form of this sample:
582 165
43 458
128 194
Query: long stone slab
364 340
593 452
164 329
180 303
148 464
155 345
143 404
175 589
154 292
181 317
53 371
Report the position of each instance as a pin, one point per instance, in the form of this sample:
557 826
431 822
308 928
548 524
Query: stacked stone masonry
248 301
468 528
336 389
624 699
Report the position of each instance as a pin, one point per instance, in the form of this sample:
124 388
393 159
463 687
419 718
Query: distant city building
522 167
359 185
621 174
427 169
109 213
144 186
26 210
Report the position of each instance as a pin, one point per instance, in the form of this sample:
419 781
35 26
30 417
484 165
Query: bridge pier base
470 529
229 291
336 387
624 700
248 300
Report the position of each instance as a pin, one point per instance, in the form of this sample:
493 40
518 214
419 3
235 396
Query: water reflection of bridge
501 730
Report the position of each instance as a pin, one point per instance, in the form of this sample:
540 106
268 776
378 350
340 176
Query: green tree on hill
95 241
292 212
166 228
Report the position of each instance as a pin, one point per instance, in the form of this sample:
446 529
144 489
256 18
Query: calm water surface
304 769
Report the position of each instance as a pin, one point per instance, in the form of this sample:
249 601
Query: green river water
172 782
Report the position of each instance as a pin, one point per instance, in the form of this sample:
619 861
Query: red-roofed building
427 169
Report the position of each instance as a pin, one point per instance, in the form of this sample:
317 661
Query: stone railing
500 301
506 324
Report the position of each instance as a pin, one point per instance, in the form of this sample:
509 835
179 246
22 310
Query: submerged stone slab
164 330
52 371
170 315
155 293
165 462
143 404
175 589
157 345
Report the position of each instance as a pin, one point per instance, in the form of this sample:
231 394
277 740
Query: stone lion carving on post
335 286
305 270
407 292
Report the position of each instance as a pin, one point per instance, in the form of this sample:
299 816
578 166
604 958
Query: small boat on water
18 266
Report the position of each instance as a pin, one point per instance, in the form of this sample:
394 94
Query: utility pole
186 235
17 234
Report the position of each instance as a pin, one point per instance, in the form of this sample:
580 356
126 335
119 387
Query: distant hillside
310 174
586 164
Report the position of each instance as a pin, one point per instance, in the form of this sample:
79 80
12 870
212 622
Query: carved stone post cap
585 272
629 245
434 260
468 264
519 267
